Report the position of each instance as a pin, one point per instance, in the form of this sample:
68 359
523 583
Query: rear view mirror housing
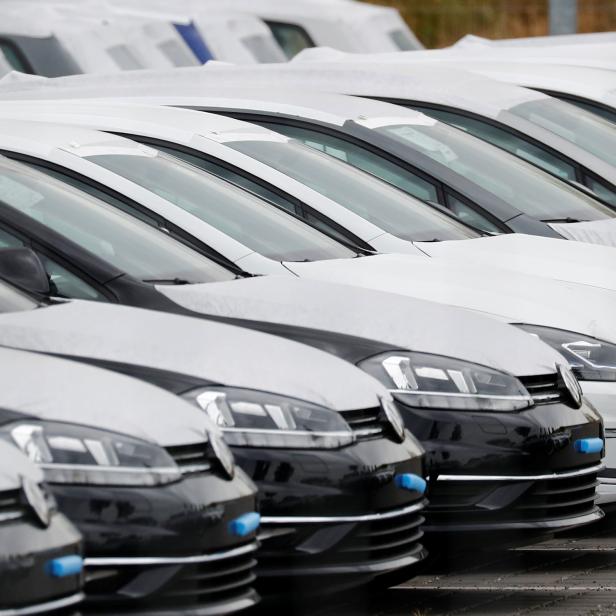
22 268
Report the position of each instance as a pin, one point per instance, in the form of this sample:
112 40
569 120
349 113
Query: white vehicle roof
591 83
352 26
20 25
591 38
121 404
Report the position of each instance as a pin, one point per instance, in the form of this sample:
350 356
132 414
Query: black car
168 521
40 550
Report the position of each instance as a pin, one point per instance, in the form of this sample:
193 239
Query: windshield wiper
167 281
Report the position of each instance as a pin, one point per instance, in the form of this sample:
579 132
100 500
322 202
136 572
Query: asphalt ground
568 575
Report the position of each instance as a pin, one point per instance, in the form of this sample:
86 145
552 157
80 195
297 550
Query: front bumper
517 474
165 550
26 548
335 516
602 395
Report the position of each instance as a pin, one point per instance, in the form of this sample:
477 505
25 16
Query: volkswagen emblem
37 500
393 416
571 383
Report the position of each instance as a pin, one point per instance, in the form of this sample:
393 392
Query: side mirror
22 268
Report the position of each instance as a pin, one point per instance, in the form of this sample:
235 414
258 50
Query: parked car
40 561
330 309
167 519
333 454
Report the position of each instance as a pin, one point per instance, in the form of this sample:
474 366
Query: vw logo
571 383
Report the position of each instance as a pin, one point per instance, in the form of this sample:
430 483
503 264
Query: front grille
544 389
364 542
366 423
202 585
476 502
192 459
11 506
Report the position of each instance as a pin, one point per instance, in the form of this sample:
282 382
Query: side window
602 190
291 37
357 156
96 192
62 282
506 141
66 284
232 177
14 57
470 216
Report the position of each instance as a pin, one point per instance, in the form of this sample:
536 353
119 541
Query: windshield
383 205
123 241
523 186
584 129
254 223
13 301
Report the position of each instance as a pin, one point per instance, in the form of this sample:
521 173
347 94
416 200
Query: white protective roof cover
554 40
56 389
219 353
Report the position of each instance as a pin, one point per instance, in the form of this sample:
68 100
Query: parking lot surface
569 575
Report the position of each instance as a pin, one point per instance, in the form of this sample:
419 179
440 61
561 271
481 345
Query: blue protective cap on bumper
245 524
408 481
65 566
588 445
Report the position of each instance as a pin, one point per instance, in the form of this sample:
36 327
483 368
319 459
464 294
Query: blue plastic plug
408 481
245 524
589 445
65 566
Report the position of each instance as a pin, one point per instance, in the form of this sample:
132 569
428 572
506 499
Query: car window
14 57
263 48
470 216
385 206
601 189
232 176
584 129
119 239
507 141
291 37
523 186
124 57
255 223
590 106
361 158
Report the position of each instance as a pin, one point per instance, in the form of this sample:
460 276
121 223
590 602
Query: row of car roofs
261 338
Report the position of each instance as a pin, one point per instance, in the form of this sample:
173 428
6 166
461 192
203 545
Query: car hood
14 466
403 322
206 350
595 232
578 262
508 295
54 389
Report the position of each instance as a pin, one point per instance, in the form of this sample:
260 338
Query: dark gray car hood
56 389
401 321
208 350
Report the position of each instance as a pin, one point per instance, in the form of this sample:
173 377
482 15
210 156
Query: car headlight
437 382
589 358
74 454
250 418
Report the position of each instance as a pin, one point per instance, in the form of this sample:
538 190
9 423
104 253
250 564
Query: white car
550 308
343 24
587 38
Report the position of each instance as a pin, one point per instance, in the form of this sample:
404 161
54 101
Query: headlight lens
250 418
81 455
589 358
437 382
